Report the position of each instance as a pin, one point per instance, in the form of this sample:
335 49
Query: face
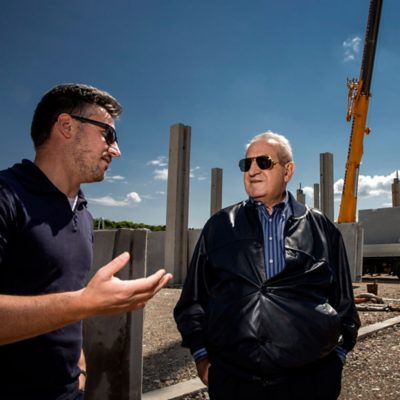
90 152
267 185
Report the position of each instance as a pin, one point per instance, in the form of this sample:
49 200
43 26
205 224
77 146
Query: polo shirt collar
36 181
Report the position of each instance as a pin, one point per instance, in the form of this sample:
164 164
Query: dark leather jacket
258 326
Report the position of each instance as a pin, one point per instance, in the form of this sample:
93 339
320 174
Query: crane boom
358 102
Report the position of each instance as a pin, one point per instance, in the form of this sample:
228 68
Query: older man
267 307
46 248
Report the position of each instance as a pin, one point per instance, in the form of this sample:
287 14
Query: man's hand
106 294
22 317
202 370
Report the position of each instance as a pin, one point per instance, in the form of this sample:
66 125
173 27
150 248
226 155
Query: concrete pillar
100 223
326 184
176 236
353 238
396 191
316 195
300 196
216 190
113 345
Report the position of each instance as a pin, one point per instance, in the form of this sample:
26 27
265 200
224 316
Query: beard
89 166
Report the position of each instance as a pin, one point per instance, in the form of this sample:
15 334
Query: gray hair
285 153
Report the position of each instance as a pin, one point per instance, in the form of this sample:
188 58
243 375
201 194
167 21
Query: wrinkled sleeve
342 298
7 217
189 312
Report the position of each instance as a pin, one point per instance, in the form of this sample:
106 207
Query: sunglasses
110 135
263 162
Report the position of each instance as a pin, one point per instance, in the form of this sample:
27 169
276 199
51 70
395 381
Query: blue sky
230 69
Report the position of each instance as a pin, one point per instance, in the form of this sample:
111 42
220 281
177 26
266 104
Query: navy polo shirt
45 247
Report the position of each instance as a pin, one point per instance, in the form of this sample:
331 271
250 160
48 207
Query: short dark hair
72 98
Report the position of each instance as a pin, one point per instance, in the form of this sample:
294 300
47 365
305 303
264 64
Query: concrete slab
175 391
370 329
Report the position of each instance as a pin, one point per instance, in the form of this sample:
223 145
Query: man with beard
46 237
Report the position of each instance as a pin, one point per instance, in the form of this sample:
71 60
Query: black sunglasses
263 162
110 135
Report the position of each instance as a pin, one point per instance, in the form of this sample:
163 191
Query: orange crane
358 101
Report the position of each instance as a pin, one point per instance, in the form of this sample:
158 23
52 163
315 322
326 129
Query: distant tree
100 223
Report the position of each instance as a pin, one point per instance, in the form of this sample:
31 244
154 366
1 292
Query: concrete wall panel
381 225
155 256
113 344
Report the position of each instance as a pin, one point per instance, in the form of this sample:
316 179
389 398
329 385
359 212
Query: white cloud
115 178
109 201
161 161
351 48
376 186
370 186
161 174
338 186
148 197
157 195
309 192
133 197
193 174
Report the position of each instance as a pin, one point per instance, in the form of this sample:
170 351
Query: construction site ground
372 370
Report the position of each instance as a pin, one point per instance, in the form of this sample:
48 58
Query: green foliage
99 223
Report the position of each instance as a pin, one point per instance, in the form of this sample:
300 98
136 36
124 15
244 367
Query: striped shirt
274 242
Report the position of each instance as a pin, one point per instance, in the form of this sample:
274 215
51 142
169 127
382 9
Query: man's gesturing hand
106 294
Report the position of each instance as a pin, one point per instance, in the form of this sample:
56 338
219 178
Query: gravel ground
372 370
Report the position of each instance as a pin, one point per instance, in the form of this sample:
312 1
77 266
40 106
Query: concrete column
353 238
113 345
316 195
300 196
176 236
396 191
326 184
216 190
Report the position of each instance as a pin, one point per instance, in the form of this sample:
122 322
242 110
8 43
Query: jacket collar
298 209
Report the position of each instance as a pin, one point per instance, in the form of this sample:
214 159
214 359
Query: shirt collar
284 205
36 181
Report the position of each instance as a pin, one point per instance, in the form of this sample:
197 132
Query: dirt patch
371 372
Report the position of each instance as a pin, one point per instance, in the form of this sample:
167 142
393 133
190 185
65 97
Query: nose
114 150
254 168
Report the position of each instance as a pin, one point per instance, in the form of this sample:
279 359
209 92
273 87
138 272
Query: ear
289 171
64 125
